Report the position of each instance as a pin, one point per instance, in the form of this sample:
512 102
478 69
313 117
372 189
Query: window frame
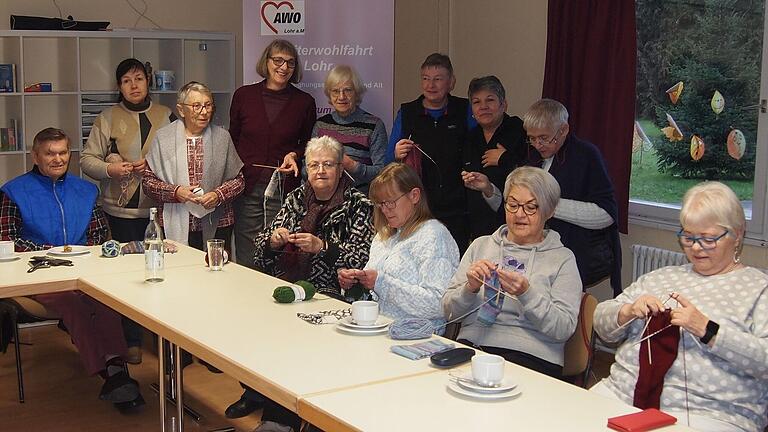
667 217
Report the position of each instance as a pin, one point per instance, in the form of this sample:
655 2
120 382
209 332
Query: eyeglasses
197 107
529 208
543 141
389 205
706 243
279 62
315 166
347 92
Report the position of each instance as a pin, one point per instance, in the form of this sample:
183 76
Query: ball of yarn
110 248
303 290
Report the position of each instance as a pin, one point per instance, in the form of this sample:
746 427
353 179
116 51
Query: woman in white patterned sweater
705 354
413 256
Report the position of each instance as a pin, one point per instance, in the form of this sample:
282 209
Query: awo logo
282 17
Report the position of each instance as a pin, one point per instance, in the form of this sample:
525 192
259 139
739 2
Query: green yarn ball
284 294
309 288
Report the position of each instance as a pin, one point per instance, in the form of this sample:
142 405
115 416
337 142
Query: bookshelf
81 69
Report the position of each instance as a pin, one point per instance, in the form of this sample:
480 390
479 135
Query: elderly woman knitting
413 254
194 172
695 337
324 225
519 286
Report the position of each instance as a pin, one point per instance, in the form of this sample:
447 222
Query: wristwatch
712 328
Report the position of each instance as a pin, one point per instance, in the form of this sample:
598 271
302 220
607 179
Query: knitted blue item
110 248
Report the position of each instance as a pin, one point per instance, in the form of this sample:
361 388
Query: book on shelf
8 137
7 78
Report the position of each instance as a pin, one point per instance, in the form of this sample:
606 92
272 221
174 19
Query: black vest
445 140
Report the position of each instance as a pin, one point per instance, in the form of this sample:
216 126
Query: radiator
646 259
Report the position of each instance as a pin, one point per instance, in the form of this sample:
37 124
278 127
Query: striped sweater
364 138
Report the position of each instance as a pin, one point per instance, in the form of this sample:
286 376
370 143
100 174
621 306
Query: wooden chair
580 347
25 312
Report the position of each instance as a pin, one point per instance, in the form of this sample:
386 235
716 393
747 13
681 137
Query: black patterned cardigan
348 230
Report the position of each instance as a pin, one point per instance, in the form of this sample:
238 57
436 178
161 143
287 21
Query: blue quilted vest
53 213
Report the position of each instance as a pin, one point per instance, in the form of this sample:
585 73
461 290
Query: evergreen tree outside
709 45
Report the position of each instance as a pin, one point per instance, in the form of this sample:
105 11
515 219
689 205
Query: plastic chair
25 312
580 347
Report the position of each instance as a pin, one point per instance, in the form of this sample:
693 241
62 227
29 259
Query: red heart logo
277 6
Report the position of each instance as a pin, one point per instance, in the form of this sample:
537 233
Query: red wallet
645 420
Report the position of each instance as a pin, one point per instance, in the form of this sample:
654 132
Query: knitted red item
656 361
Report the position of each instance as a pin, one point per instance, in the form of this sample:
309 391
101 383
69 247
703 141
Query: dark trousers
126 230
523 359
195 238
459 228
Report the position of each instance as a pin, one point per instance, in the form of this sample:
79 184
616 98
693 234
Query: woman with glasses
497 146
587 214
270 122
695 336
193 172
519 287
324 225
413 254
363 135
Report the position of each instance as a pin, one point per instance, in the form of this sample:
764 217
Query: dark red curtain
590 68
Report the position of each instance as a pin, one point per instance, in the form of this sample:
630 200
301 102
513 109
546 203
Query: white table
332 379
425 403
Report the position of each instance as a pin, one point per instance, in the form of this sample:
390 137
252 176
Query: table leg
179 388
161 380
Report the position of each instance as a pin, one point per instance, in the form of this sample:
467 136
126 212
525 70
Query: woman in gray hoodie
519 287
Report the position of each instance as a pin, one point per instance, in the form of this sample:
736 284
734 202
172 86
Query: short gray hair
545 114
324 143
713 202
192 86
489 83
540 183
340 74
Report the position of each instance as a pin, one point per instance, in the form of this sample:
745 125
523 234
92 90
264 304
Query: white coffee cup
365 312
487 369
6 249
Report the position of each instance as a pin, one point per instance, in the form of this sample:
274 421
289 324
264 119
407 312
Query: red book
645 420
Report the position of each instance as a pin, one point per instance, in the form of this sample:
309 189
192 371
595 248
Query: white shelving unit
81 68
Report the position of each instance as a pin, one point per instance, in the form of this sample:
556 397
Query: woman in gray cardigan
529 319
194 172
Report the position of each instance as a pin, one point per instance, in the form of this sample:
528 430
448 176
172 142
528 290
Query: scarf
657 353
294 263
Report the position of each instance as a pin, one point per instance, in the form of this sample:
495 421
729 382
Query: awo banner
359 33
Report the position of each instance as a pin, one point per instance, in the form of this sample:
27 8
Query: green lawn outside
647 183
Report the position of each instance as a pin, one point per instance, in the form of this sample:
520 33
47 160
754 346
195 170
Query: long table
337 381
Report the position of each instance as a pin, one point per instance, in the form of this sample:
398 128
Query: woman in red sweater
270 124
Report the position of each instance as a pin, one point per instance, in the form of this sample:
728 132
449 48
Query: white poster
359 33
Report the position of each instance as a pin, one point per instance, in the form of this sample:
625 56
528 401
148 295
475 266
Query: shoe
134 355
126 407
119 388
242 408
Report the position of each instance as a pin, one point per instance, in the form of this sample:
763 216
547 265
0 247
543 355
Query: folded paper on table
422 349
645 420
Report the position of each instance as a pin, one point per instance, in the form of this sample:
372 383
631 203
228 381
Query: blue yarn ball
110 248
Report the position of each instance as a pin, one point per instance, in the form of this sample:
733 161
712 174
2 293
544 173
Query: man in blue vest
430 135
48 207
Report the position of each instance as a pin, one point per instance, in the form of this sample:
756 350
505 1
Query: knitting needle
634 318
264 166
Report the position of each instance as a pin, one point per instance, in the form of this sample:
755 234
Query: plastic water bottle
154 265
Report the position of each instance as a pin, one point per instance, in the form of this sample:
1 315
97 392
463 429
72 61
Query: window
700 72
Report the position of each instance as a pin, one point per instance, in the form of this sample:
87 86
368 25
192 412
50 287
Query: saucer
466 382
380 323
361 332
452 386
13 257
75 250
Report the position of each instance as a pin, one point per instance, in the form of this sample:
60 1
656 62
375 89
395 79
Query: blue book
7 78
